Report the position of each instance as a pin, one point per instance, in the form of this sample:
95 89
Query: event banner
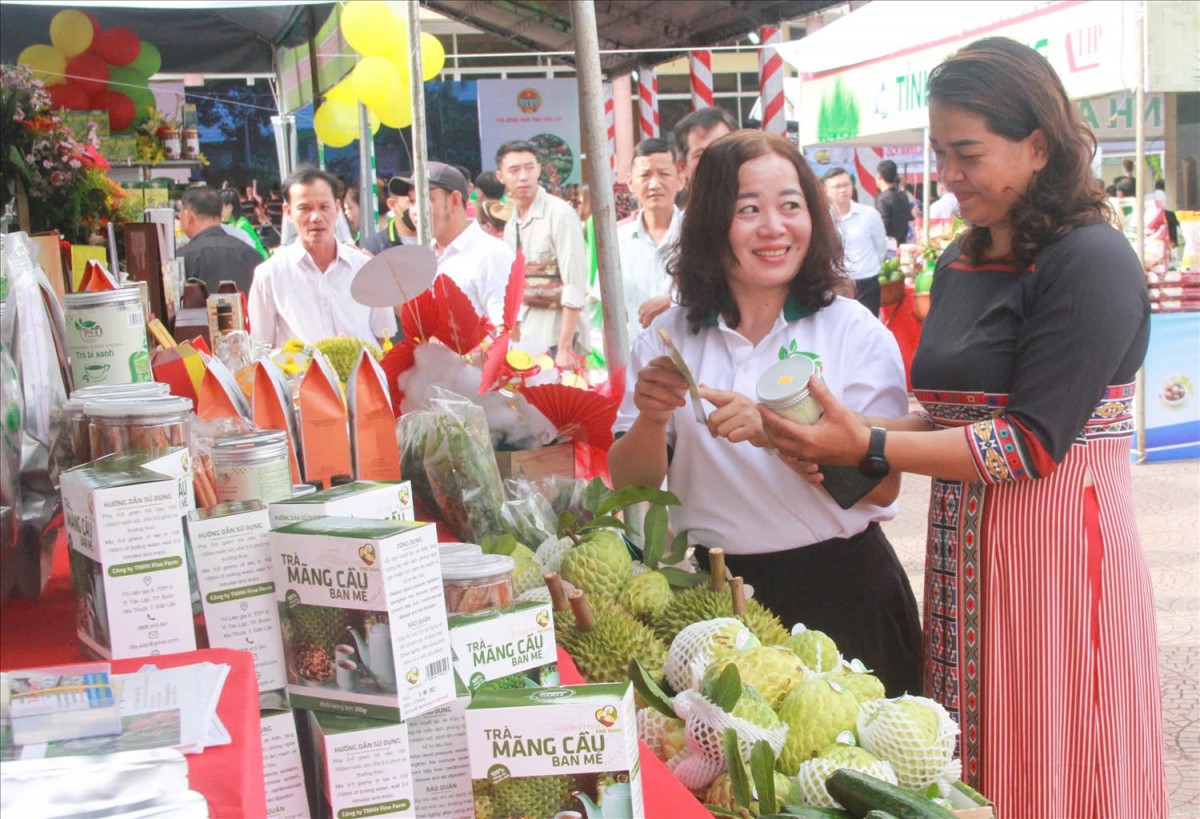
543 111
1172 420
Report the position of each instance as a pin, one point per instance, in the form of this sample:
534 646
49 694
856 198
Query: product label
267 482
377 501
133 585
237 590
107 344
495 645
364 622
440 764
366 772
283 771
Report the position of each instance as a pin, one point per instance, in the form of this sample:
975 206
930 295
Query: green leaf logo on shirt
791 350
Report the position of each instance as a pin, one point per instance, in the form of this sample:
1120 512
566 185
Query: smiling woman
758 263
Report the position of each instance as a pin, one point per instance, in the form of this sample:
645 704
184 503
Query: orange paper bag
272 407
324 437
181 367
372 423
219 395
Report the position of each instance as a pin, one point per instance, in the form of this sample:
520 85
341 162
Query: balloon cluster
380 79
89 68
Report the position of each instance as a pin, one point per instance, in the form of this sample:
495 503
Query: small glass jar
252 466
783 388
474 583
459 550
150 422
80 424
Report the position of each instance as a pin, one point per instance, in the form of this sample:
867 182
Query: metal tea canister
252 466
106 337
783 388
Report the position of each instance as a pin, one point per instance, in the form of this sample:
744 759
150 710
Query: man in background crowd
693 134
303 290
645 242
547 231
479 264
212 255
864 242
891 202
400 228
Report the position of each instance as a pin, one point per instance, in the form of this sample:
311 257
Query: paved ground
1167 496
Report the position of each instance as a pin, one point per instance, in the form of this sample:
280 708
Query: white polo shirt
738 496
864 241
291 298
644 265
480 265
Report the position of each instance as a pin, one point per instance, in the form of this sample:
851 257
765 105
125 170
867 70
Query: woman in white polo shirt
756 269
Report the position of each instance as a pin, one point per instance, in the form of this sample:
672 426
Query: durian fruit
607 637
534 797
712 601
815 649
564 617
646 595
323 626
773 671
816 712
600 565
342 353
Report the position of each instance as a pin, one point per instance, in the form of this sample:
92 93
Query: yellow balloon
375 80
433 56
373 120
336 124
71 32
369 26
46 63
396 112
342 92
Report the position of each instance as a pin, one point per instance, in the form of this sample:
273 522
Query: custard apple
600 565
663 735
864 687
816 711
811 777
646 595
770 670
815 649
699 644
720 795
916 735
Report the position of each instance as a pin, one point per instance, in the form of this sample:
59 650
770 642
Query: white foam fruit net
814 772
704 731
915 734
663 735
550 553
698 644
540 594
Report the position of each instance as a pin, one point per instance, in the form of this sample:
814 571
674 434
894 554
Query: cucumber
963 795
860 793
812 812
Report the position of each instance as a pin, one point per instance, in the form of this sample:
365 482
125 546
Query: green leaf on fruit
762 768
654 535
737 769
629 495
654 696
725 691
594 495
678 579
678 550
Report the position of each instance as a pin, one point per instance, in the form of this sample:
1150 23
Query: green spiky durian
342 353
646 595
603 654
702 603
534 797
600 565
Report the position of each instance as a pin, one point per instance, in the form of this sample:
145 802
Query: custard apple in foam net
720 794
863 686
539 594
815 649
527 573
915 734
705 729
810 779
699 644
551 551
663 735
770 670
815 711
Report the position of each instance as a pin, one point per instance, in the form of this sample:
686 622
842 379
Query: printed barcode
437 669
135 318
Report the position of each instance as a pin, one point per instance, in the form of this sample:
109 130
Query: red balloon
95 23
116 46
71 96
89 71
121 110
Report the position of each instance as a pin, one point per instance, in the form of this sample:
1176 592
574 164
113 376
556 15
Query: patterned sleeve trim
925 417
1006 451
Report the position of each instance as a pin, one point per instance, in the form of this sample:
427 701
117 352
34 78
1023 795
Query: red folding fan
581 415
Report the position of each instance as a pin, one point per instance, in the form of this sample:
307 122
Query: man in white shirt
645 241
944 207
693 134
549 233
303 291
864 241
478 263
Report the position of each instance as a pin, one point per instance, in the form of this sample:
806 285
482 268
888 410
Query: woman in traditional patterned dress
1039 614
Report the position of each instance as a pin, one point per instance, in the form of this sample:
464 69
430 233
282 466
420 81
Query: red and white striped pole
648 101
610 123
770 82
700 63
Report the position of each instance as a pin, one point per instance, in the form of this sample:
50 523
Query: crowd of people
1038 629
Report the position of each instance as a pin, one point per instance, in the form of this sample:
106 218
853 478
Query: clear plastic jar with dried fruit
79 422
476 582
152 422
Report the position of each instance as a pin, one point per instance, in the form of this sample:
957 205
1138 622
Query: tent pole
927 186
367 221
420 157
1139 206
604 211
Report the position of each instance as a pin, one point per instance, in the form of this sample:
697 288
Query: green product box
283 769
362 766
379 500
509 647
547 751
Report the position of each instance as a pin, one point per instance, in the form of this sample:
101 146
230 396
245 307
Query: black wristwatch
875 465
